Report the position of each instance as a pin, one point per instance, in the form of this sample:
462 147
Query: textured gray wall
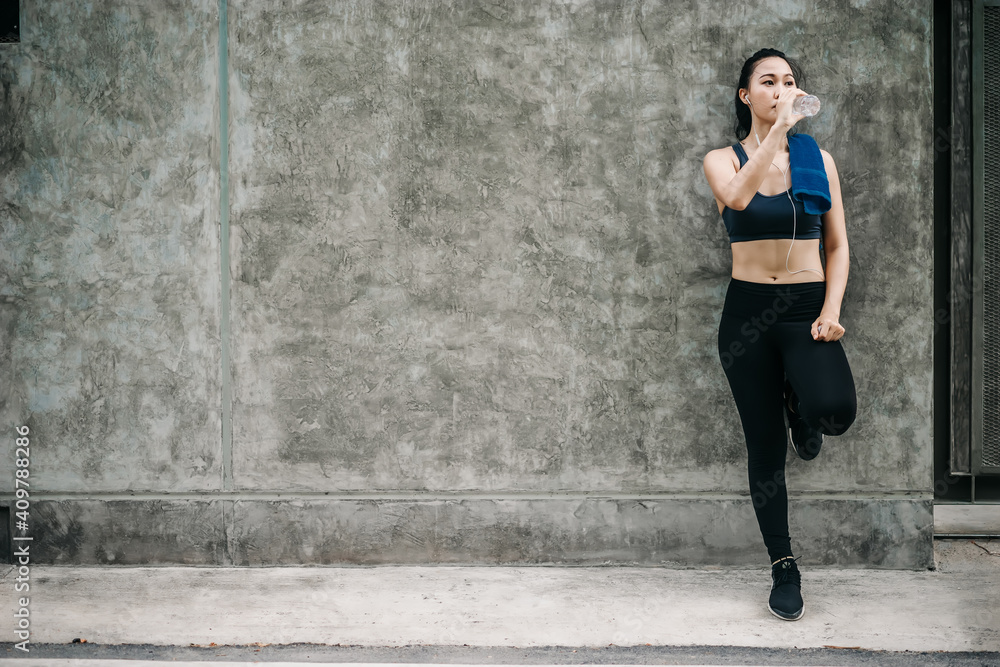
476 280
110 246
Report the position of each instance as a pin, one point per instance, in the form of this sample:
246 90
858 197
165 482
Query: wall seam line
227 398
386 496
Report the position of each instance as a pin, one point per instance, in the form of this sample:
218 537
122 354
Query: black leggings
765 336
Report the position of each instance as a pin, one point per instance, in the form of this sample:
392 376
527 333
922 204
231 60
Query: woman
780 330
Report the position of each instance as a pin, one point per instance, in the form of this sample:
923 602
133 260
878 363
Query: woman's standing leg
753 366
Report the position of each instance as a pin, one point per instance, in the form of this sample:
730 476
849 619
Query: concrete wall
476 278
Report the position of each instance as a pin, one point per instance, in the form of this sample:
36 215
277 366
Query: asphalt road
80 655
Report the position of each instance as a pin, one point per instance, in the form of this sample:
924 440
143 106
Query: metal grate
10 31
991 237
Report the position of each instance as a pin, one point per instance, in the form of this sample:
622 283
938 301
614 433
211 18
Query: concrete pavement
952 608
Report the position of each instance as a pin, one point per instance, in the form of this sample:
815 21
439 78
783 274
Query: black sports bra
769 216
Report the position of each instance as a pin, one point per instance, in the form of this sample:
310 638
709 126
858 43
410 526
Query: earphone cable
788 191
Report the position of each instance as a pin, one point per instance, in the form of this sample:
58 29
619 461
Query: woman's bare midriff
763 261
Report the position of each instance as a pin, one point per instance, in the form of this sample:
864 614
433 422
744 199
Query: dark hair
744 118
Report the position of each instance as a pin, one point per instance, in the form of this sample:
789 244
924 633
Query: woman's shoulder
720 153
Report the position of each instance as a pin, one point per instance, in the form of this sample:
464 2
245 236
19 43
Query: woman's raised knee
834 418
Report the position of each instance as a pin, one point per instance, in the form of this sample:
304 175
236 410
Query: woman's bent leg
821 378
752 363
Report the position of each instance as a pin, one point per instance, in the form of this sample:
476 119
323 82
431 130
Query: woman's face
767 80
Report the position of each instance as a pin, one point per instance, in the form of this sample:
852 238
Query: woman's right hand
786 118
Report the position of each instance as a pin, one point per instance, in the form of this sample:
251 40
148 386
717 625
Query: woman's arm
735 189
837 258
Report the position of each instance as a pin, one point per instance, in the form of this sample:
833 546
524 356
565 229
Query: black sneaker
806 441
786 590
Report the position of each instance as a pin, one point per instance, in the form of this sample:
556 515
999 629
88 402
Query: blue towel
809 183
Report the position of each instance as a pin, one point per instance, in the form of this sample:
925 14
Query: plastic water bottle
806 105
